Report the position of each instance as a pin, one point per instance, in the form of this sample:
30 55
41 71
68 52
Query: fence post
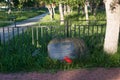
0 38
3 36
37 36
33 36
67 27
15 21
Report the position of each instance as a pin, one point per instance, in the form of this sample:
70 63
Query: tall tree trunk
50 9
78 9
65 9
86 12
53 8
95 10
113 25
51 13
83 10
9 7
61 14
91 8
68 9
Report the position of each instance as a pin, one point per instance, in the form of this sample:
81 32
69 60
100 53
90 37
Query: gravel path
80 74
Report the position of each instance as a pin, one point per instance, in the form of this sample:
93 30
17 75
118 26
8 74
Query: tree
94 4
10 3
61 14
86 9
2 0
79 4
113 25
50 5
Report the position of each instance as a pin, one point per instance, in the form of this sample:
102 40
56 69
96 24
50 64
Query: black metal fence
38 36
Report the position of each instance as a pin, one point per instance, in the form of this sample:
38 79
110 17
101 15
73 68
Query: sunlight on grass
47 18
22 18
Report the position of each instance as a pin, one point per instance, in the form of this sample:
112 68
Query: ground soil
78 74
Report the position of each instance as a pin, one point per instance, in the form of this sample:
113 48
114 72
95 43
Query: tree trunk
83 10
9 11
113 24
95 10
78 9
51 11
68 9
65 9
61 14
53 8
9 7
86 12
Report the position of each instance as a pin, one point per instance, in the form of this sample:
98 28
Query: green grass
17 55
46 21
75 16
19 15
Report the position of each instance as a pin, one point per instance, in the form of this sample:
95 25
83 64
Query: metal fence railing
38 36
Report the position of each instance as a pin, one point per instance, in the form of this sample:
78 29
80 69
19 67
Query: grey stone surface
70 47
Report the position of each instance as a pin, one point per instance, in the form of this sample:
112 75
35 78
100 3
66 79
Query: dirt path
80 74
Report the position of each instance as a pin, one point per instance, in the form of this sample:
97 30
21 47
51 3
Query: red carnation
67 59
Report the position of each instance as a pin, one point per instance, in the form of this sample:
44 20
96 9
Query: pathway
6 33
79 74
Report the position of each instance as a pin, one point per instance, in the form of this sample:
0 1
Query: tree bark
95 10
78 9
112 30
86 12
51 11
61 14
65 9
53 7
68 9
9 7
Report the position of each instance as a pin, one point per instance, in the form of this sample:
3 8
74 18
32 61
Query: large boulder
70 47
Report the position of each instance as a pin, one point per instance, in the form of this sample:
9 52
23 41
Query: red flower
67 59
